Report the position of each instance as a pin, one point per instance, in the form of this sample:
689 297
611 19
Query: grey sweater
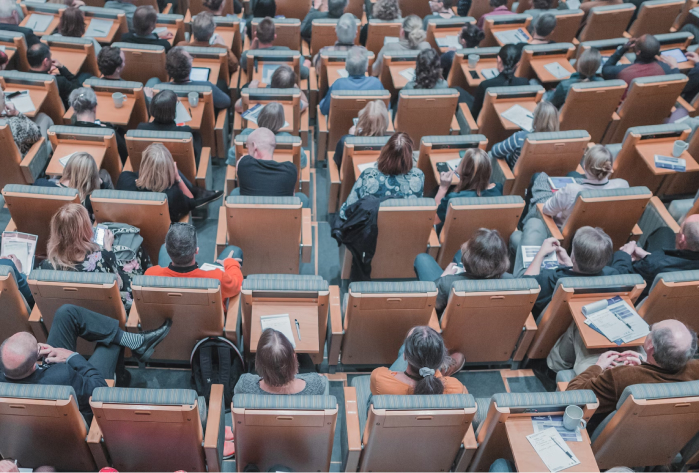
250 384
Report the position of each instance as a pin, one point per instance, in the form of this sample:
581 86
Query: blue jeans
164 259
502 465
401 364
305 202
427 269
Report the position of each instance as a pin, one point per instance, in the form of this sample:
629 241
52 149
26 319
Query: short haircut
474 170
647 47
357 61
181 243
346 29
283 78
396 157
275 360
690 230
37 54
7 7
264 8
472 35
497 3
545 25
597 162
213 5
588 63
203 26
265 31
82 100
163 107
336 8
72 23
271 117
20 344
541 4
109 60
485 255
592 249
667 353
386 10
144 19
447 4
178 64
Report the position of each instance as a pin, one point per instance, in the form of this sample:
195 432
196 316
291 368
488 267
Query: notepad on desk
163 29
22 101
365 166
448 42
64 160
670 162
38 22
512 36
98 28
553 450
556 422
181 114
408 73
210 267
22 246
390 39
616 320
520 116
280 323
490 73
557 71
342 73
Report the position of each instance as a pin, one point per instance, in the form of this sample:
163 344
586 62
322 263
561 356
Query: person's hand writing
15 260
108 239
58 355
607 359
451 269
445 178
166 35
11 110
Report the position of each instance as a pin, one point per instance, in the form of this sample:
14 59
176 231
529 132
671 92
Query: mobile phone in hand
99 234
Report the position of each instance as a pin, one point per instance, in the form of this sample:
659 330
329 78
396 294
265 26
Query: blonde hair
82 174
545 118
157 171
413 32
598 162
373 119
71 235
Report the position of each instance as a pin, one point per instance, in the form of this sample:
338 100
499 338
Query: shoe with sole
458 360
151 339
206 197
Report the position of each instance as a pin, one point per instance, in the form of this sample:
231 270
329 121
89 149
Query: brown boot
457 362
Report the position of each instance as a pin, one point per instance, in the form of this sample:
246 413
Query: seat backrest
441 28
77 54
413 105
394 62
487 57
42 425
133 91
607 22
555 153
673 295
147 211
567 25
194 305
13 308
180 144
267 61
466 215
324 34
655 17
32 208
117 17
481 7
649 101
45 86
380 29
414 7
143 61
293 8
290 99
556 318
344 106
197 6
669 410
396 249
501 99
379 316
138 425
268 229
229 29
554 52
288 31
498 307
444 148
679 39
606 47
294 431
16 43
211 57
11 158
590 105
358 150
208 118
497 23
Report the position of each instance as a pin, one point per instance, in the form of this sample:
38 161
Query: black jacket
151 39
498 81
657 262
196 137
29 35
121 141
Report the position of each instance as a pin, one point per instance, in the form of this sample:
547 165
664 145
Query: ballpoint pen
561 447
298 328
622 320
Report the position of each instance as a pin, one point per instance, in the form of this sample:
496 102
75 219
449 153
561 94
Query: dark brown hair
144 18
485 255
178 64
109 60
424 348
396 157
474 171
275 361
163 107
265 31
72 23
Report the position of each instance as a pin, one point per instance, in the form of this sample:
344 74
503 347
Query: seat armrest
611 129
94 443
354 436
37 325
234 84
467 124
502 174
231 181
221 133
204 177
35 161
655 216
335 183
222 230
306 236
684 104
561 385
231 327
433 244
468 451
525 339
636 232
550 224
455 127
434 322
133 323
337 329
215 426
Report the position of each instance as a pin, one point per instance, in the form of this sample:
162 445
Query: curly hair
428 70
178 64
386 10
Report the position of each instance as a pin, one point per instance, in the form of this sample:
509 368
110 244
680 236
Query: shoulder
416 172
248 384
315 383
498 188
453 386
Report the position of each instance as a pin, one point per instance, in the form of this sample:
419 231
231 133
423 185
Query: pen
298 328
622 320
559 446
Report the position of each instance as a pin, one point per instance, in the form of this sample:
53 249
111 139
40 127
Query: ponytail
509 56
426 354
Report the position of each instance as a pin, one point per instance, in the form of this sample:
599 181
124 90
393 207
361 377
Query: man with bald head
669 349
648 61
260 175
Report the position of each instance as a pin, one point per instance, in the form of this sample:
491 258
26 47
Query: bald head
647 47
18 354
688 238
672 344
261 143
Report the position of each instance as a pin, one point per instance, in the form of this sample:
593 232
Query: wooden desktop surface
214 65
592 338
36 93
227 34
49 29
545 76
333 72
197 113
442 157
73 59
647 151
398 80
362 159
443 33
502 107
499 28
107 111
64 149
109 37
526 458
306 314
171 29
483 63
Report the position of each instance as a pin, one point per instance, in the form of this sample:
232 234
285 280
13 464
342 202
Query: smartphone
474 74
99 234
443 167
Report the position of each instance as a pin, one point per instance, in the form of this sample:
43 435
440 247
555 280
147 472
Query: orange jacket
231 277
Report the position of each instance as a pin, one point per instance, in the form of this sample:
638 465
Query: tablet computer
677 53
199 73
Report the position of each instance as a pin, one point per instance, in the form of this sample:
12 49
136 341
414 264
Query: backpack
127 242
216 360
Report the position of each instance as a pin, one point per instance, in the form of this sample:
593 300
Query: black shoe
151 339
206 197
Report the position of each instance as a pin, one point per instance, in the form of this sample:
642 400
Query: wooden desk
107 112
171 29
109 37
64 149
73 59
49 29
333 72
227 34
499 28
197 113
398 80
305 313
591 338
214 65
538 63
502 107
487 63
443 34
443 157
526 458
37 94
358 160
665 177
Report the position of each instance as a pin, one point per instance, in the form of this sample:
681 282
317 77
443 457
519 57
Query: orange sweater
231 277
383 381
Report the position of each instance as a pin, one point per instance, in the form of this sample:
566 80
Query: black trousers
71 322
661 238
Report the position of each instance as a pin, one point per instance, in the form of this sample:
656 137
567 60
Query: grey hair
667 353
346 29
82 100
181 243
357 61
6 8
203 26
691 235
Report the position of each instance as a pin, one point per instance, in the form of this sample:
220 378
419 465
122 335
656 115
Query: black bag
216 360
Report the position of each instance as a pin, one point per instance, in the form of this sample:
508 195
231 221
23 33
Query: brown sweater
609 384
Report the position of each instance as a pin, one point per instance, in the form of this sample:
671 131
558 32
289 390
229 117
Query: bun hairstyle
472 35
413 32
509 56
428 70
426 354
598 162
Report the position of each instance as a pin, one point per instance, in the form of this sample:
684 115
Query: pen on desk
561 447
622 320
298 328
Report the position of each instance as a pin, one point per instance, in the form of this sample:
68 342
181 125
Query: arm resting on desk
336 328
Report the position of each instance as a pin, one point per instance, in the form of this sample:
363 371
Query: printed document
22 102
490 73
280 323
343 73
38 22
546 422
553 450
520 116
98 28
181 113
408 73
529 252
616 320
512 36
364 167
448 42
557 71
23 246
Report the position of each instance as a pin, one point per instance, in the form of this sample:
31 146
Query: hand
58 355
451 269
307 63
445 178
669 60
639 254
15 260
219 40
166 35
629 358
629 248
694 57
11 110
352 131
44 349
607 359
255 43
108 239
148 91
562 257
549 245
55 63
254 84
630 44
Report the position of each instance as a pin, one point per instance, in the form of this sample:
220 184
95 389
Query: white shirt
560 206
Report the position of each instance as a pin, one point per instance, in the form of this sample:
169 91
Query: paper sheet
670 162
98 28
551 448
627 320
268 71
448 42
546 422
490 73
22 102
23 246
281 323
529 252
364 167
557 71
390 39
609 324
454 163
512 36
520 116
163 29
408 73
182 115
64 160
213 38
342 72
38 22
210 267
573 4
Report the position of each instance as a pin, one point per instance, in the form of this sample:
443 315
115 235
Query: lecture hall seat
18 169
672 295
14 311
44 85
